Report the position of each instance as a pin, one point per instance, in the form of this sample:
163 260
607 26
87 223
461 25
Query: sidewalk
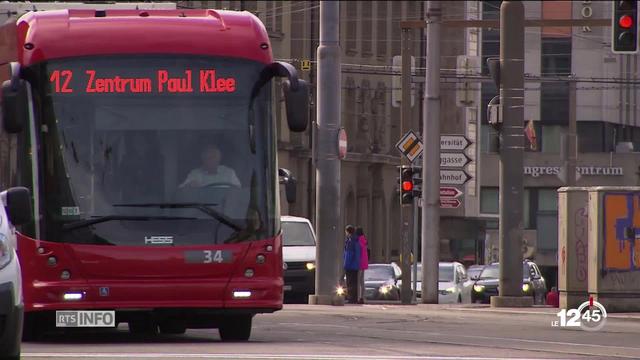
539 310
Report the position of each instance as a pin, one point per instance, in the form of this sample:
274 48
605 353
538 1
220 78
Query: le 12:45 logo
590 316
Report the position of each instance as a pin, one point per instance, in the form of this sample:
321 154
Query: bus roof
69 33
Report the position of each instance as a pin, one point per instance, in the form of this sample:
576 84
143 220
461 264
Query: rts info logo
590 316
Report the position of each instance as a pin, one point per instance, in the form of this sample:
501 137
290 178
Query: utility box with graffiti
614 247
573 231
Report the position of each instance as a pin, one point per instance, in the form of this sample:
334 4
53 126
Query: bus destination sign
202 81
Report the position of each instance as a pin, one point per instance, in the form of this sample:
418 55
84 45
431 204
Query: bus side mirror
18 205
15 103
296 93
297 104
290 184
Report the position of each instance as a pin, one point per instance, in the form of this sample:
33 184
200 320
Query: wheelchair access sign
410 146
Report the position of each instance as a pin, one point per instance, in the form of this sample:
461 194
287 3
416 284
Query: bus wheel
236 328
172 327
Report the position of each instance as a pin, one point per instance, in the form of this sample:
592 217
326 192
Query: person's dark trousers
352 286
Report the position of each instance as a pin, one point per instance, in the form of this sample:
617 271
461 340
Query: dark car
533 284
474 271
381 282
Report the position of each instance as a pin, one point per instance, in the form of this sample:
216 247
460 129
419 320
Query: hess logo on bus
158 240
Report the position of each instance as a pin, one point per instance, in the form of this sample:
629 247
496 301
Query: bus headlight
310 266
526 287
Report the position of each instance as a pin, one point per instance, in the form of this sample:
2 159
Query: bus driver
211 172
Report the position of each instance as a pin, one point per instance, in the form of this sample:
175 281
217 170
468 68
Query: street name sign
454 142
453 160
447 203
453 177
449 192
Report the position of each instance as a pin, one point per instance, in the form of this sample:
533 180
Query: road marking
263 356
469 336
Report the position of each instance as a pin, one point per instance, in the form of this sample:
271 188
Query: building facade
606 112
608 126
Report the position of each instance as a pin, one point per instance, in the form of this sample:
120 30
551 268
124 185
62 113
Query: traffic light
410 182
406 185
624 27
417 182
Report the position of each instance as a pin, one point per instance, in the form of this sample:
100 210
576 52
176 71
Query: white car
454 286
299 256
15 210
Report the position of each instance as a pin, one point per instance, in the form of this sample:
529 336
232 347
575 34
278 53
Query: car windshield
178 146
297 234
490 272
378 273
445 273
493 271
474 272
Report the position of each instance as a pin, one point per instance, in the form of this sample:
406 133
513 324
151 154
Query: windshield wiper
204 207
101 219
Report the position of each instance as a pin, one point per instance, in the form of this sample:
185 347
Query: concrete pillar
573 228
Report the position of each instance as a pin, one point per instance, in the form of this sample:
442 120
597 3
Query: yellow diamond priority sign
410 146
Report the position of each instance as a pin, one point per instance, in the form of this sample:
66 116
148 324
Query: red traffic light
407 185
625 22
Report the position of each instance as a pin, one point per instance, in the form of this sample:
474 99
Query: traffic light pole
328 164
511 156
405 209
431 160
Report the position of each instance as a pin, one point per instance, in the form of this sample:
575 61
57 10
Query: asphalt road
391 332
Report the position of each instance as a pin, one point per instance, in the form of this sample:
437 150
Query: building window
278 17
554 103
367 29
396 32
352 26
381 28
489 202
555 61
556 56
591 136
553 138
490 37
547 219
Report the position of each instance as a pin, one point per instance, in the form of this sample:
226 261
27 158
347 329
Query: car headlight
526 287
385 289
5 253
450 290
478 288
310 266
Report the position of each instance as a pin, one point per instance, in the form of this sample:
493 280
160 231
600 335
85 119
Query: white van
299 255
16 210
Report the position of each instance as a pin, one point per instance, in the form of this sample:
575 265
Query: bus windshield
156 150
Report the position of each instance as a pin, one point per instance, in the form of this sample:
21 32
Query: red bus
147 140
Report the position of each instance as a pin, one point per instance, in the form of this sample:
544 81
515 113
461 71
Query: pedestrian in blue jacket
351 263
